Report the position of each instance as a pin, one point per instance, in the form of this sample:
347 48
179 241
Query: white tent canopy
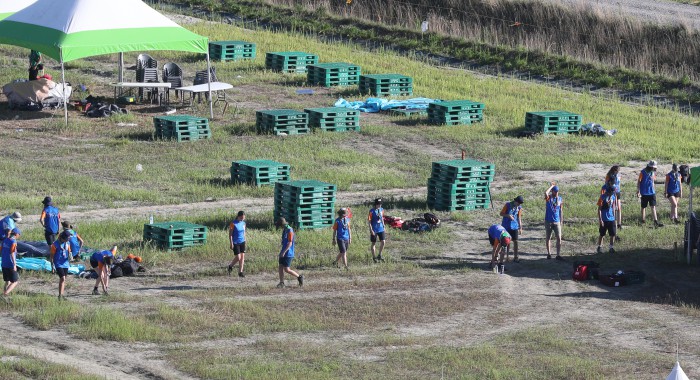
8 7
75 29
677 373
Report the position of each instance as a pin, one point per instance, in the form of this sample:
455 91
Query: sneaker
300 279
612 250
374 259
619 226
95 292
599 250
617 238
280 285
106 293
240 274
380 258
658 224
643 221
549 257
559 258
229 270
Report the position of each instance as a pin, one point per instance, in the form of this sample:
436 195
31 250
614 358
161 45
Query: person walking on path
236 236
499 239
512 222
35 64
376 229
553 218
9 223
9 262
50 219
75 241
287 253
60 257
646 190
102 262
674 191
342 235
613 177
606 218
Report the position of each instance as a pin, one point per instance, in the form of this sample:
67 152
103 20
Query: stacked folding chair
172 73
147 72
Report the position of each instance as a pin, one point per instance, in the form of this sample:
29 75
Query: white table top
215 86
141 84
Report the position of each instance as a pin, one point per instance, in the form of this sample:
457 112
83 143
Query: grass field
431 311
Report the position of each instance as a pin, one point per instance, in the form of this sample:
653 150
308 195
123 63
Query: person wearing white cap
8 223
646 191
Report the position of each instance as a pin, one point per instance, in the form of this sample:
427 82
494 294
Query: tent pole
211 104
63 79
688 237
121 67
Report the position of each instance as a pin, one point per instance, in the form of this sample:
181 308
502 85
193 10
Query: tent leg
65 101
121 67
688 238
211 104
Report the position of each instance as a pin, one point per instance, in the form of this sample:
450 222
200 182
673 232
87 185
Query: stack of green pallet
258 172
333 74
175 235
386 84
182 127
554 122
334 119
460 185
231 50
290 61
278 122
305 204
456 112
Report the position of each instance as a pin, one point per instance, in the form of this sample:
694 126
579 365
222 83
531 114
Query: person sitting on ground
553 218
646 191
512 222
50 219
606 218
60 257
236 237
613 177
342 235
9 223
286 254
102 263
674 191
75 241
499 239
9 261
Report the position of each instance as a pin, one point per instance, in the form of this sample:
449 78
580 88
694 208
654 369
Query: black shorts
50 237
94 263
609 227
285 262
62 272
10 275
513 234
677 195
380 235
238 249
342 245
649 200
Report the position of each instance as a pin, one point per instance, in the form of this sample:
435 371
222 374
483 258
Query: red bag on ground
581 273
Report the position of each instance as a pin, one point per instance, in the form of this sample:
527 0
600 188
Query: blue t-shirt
511 209
100 256
673 182
8 252
51 219
552 212
7 223
646 186
607 207
342 228
61 257
74 243
496 231
238 231
285 240
376 218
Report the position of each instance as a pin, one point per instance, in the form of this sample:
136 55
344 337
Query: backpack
581 273
116 272
684 170
433 220
129 267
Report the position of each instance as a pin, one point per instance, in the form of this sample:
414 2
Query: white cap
652 164
16 216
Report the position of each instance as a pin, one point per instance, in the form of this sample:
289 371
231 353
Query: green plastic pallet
456 105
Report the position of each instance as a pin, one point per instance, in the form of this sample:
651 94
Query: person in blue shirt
342 235
512 222
674 191
236 237
553 218
75 241
286 254
613 177
60 259
606 217
50 219
9 223
376 229
9 261
102 262
646 191
499 239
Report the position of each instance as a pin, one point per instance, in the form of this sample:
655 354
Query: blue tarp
33 263
379 104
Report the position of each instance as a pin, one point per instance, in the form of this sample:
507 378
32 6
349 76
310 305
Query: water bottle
150 219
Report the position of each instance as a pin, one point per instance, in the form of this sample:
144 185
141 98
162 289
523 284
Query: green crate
173 235
376 79
449 185
408 113
331 112
458 207
466 165
552 116
306 186
456 105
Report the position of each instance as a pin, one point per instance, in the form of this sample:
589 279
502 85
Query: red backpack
581 273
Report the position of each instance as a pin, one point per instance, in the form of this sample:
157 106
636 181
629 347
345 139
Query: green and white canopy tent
66 30
8 7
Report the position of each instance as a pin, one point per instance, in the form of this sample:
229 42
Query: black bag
116 272
684 170
129 267
433 220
